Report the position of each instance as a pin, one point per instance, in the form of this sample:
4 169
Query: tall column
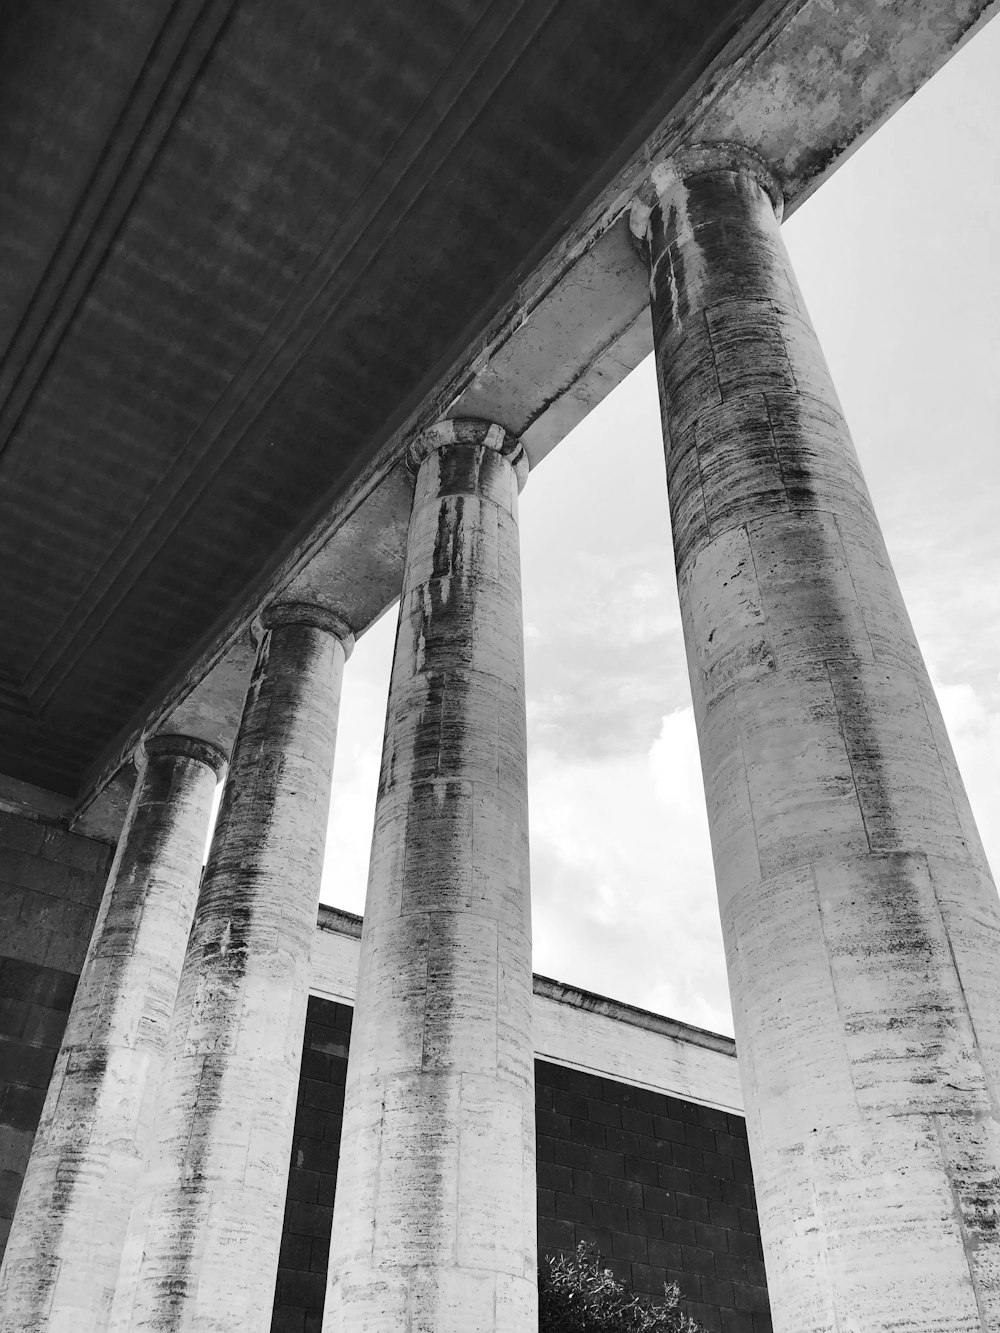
861 924
434 1215
203 1245
66 1241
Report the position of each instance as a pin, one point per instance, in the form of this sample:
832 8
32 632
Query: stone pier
65 1244
861 924
202 1250
434 1217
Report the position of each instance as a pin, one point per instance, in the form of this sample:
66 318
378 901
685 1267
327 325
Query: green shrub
577 1295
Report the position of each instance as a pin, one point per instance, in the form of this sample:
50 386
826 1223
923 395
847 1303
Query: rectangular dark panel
661 1186
312 1176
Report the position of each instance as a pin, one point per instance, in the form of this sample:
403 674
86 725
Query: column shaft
203 1246
434 1215
861 924
65 1245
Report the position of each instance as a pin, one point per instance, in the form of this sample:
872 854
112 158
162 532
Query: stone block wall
312 1178
51 883
662 1186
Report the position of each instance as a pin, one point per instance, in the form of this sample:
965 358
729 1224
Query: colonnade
862 927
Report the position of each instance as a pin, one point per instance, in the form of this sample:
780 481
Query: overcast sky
899 259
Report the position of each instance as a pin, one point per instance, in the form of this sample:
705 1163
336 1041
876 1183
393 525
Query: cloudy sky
899 259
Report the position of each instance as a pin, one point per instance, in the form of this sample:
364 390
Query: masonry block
51 882
673 1208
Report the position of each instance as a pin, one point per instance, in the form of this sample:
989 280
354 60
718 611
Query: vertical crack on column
847 754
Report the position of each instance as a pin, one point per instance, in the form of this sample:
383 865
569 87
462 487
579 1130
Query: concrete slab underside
244 240
218 248
223 443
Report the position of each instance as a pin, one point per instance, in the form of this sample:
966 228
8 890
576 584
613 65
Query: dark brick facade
51 883
660 1185
312 1178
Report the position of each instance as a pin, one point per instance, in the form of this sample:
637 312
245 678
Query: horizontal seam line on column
390 920
434 502
473 575
763 518
743 300
832 408
461 913
472 671
725 691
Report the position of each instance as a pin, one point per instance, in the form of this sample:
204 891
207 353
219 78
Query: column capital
185 747
309 613
472 432
703 159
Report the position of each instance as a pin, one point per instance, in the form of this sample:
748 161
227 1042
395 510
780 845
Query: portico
352 426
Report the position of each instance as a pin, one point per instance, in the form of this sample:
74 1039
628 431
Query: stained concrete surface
202 1246
434 1221
61 1263
861 924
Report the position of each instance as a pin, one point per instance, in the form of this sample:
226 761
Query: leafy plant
577 1295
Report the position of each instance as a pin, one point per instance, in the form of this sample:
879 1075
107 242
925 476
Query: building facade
641 1148
297 301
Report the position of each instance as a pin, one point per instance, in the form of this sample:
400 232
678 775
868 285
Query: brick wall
661 1186
312 1178
51 882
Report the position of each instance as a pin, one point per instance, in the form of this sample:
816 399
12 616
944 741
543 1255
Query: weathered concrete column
434 1215
203 1245
861 924
66 1242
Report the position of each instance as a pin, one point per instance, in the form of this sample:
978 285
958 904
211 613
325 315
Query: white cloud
973 724
624 895
355 774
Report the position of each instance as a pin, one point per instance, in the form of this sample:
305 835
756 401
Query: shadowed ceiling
239 240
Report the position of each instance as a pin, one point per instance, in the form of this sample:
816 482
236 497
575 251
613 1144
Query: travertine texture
861 924
202 1249
66 1240
643 1056
572 1027
434 1223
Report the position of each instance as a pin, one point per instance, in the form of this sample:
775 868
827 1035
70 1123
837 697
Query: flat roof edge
340 922
620 1012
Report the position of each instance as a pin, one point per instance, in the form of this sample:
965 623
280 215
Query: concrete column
66 1241
861 924
202 1251
434 1215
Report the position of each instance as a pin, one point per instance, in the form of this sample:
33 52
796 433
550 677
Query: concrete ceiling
239 239
247 246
